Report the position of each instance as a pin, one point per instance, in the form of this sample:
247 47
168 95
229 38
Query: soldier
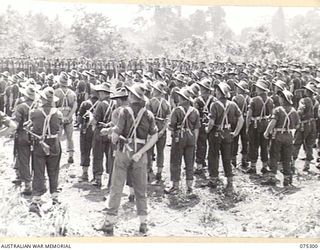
242 99
74 80
101 144
224 115
184 124
260 109
284 120
67 104
3 86
161 111
279 85
84 118
306 133
7 126
45 122
131 135
12 94
202 103
22 142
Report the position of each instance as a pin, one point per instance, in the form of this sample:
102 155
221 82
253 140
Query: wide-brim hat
195 89
287 95
262 84
205 83
30 82
105 86
311 87
91 73
137 90
119 93
48 94
73 73
5 74
224 89
159 86
21 75
243 85
63 79
280 84
317 79
218 72
185 93
29 92
130 74
296 71
104 73
148 75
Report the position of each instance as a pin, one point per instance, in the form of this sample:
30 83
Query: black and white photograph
146 120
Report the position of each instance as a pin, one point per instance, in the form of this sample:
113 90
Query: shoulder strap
287 117
263 110
46 130
184 121
136 121
159 111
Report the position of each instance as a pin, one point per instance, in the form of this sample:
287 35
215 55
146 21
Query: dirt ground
253 210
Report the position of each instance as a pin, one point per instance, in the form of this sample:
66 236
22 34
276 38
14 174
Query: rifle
45 146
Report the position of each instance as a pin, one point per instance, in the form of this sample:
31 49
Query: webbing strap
287 118
224 122
46 131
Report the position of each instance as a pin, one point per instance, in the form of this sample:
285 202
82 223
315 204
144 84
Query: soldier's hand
266 135
104 131
114 138
207 130
136 157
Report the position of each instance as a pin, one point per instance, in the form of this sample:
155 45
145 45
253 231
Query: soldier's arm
270 127
150 141
212 118
240 121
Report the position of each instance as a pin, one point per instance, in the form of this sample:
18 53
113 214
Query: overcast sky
122 15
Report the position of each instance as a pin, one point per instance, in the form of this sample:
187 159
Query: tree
278 25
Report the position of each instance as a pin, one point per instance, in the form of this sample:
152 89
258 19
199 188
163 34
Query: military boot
287 180
174 189
27 189
97 181
264 168
244 161
306 167
270 181
213 182
84 177
229 187
252 169
157 180
189 187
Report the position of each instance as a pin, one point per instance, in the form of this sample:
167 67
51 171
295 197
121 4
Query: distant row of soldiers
124 118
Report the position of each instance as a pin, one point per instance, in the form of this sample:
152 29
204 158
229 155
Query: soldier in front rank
22 141
202 104
306 133
184 124
45 123
242 99
101 144
84 118
131 136
284 120
67 104
260 109
224 115
3 86
161 111
12 94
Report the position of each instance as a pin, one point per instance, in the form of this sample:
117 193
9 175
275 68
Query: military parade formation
127 112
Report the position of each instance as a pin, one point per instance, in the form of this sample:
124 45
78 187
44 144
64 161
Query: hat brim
24 92
184 96
101 88
141 97
240 87
261 87
311 90
43 96
25 84
204 86
226 95
118 96
279 86
280 93
75 76
156 88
